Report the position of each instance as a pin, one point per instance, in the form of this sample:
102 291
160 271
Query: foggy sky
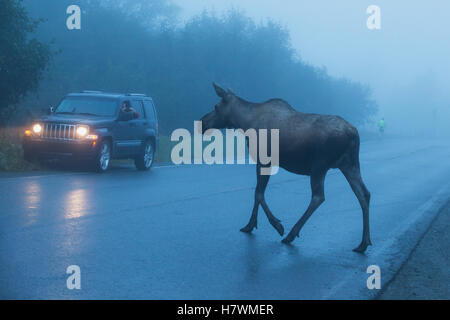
413 41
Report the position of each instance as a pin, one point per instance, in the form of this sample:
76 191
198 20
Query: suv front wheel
103 157
144 159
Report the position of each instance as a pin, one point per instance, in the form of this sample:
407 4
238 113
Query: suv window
88 106
149 109
137 105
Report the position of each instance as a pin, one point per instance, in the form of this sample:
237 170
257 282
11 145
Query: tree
22 59
128 46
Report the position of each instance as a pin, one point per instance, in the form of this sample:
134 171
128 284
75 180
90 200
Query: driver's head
126 106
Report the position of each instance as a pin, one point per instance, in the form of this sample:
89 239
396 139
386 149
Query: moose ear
219 91
230 92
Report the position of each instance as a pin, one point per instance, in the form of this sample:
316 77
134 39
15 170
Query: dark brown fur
309 144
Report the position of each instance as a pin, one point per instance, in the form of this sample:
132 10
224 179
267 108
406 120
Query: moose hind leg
353 176
317 198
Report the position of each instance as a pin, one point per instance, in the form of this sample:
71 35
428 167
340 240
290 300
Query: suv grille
59 131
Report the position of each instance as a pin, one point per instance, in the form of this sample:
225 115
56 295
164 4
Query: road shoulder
425 274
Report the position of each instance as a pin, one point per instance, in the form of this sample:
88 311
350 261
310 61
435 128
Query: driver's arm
136 114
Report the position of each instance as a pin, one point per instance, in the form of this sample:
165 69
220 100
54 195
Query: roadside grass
164 149
11 151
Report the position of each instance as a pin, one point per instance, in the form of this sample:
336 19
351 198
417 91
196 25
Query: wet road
173 233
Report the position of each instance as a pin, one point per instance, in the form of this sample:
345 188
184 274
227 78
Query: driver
127 112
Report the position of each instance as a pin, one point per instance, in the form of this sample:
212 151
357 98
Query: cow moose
309 144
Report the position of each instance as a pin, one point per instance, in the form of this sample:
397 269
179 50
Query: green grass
11 152
164 149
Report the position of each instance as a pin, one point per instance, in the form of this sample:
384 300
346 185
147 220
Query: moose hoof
362 247
279 227
288 239
247 229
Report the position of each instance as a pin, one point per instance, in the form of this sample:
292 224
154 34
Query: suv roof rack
126 94
136 94
92 91
102 92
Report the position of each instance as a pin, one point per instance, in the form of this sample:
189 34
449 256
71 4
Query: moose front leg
317 198
261 185
253 223
260 188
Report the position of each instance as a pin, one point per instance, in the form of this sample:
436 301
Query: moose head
222 115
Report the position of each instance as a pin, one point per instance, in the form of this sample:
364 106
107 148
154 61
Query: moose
309 144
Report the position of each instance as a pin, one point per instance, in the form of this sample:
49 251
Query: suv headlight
34 131
37 129
82 131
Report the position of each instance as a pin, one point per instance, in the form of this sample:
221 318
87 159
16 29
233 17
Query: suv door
138 125
124 144
151 116
152 127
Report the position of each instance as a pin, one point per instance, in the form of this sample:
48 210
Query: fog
406 62
320 56
161 219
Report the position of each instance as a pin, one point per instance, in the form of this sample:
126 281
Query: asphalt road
426 275
173 233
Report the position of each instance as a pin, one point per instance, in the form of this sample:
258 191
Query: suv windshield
88 106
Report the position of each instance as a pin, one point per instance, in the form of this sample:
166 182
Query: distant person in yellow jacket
381 126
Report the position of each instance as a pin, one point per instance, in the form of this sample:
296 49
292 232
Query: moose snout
201 127
205 123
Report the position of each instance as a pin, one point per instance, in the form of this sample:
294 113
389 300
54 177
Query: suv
97 127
